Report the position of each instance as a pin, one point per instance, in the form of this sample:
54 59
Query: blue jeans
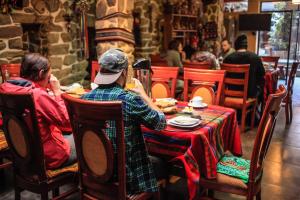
72 158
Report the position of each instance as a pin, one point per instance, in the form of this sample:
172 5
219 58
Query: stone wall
63 46
214 13
114 27
151 23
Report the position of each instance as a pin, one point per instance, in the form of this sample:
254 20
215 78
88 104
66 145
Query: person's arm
139 89
53 110
144 110
177 60
260 72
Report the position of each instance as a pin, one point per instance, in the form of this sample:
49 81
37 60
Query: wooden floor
281 179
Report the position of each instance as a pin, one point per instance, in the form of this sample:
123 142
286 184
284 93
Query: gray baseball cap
112 63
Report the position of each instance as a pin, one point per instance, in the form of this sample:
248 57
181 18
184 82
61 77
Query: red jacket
52 119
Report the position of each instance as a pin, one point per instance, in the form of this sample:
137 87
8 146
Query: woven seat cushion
3 143
230 181
55 172
236 102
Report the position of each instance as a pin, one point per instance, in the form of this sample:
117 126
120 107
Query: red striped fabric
199 149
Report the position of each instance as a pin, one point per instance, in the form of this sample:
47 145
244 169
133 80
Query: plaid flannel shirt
139 171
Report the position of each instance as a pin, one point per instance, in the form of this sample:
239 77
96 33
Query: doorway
283 38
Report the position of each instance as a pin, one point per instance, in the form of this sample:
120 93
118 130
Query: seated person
51 112
138 110
173 54
226 48
174 59
256 72
190 48
202 55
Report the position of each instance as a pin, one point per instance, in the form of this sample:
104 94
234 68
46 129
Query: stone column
214 13
114 27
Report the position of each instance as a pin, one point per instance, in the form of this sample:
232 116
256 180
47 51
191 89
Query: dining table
200 148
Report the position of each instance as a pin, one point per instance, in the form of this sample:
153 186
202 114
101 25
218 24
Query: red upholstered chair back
22 134
161 77
265 132
200 75
94 149
271 59
13 70
95 69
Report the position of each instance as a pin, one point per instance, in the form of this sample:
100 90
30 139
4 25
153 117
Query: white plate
166 99
183 120
203 105
184 126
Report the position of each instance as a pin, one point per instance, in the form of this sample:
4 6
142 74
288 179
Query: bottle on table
7 75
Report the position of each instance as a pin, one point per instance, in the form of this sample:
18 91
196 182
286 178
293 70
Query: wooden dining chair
197 65
229 184
206 81
94 70
4 152
238 98
95 151
271 59
161 78
288 101
23 138
13 70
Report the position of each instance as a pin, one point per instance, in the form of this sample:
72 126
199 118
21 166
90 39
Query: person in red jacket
52 115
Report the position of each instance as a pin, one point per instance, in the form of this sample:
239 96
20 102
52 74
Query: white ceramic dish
203 105
166 99
184 126
182 121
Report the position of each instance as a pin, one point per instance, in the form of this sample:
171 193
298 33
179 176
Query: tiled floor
281 179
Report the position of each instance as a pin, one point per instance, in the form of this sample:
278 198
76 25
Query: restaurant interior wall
61 38
150 21
148 27
253 7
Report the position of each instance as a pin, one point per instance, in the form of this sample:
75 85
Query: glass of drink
130 84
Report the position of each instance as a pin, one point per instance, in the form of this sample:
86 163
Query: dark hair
225 39
241 42
173 45
32 65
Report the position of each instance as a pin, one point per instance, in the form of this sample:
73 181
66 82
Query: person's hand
138 88
55 85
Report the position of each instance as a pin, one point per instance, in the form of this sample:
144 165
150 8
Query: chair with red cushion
239 99
160 81
23 138
204 81
95 69
95 151
234 185
13 70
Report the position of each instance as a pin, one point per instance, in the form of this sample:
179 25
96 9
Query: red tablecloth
271 80
199 149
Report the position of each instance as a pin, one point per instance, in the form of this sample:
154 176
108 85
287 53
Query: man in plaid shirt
138 109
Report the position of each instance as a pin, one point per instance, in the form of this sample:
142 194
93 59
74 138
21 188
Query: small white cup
196 101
